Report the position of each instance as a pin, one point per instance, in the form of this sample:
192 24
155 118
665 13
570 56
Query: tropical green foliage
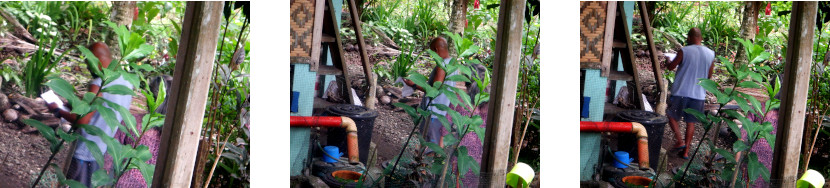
439 168
40 66
124 157
755 130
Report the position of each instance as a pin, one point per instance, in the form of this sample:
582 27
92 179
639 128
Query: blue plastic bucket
622 156
334 151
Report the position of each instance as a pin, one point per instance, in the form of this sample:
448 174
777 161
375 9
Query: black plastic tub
655 125
365 120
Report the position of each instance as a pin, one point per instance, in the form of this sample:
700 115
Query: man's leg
672 113
676 130
690 133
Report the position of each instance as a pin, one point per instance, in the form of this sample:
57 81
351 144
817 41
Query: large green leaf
73 184
739 146
65 90
699 115
101 178
112 122
408 109
449 140
756 168
457 78
118 90
756 105
734 127
433 146
142 51
466 162
470 51
66 136
748 84
726 154
44 130
92 61
710 86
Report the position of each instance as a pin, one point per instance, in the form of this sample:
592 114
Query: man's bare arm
711 70
74 118
677 60
439 77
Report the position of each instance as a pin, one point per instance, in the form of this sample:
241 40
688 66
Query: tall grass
39 66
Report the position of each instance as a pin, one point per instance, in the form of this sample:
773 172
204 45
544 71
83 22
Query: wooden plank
318 31
607 51
794 95
655 61
371 100
503 97
329 70
180 135
619 44
627 55
327 38
337 53
619 75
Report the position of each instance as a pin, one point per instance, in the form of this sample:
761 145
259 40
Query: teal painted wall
595 86
304 82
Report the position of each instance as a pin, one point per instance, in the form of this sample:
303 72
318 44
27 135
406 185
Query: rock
379 91
4 102
10 115
385 99
65 127
16 107
40 102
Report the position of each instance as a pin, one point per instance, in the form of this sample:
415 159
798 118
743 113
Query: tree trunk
749 25
121 13
651 6
458 18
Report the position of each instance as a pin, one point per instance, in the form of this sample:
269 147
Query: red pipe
624 127
333 121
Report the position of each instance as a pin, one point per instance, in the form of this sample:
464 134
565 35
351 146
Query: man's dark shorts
81 171
677 104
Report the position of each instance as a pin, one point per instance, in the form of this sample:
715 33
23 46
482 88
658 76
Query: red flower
476 4
135 14
768 9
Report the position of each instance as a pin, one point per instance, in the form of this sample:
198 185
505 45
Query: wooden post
191 81
503 97
607 50
371 100
794 95
655 61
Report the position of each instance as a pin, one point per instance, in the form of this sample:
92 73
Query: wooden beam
794 95
191 81
628 58
317 33
331 28
371 100
503 97
655 61
607 49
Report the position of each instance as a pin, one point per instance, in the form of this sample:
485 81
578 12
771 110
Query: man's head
439 45
102 52
694 36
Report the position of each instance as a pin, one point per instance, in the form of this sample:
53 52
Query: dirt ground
22 156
